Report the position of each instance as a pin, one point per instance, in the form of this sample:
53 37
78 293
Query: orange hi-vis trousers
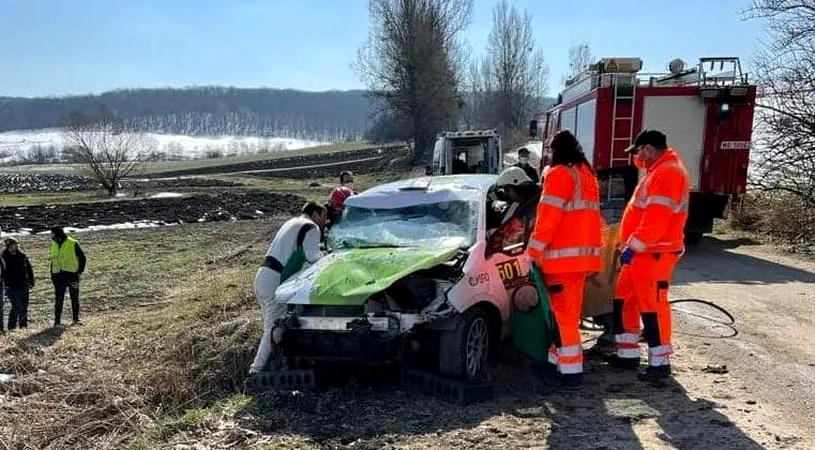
566 298
642 294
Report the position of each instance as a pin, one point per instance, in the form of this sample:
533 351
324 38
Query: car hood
349 277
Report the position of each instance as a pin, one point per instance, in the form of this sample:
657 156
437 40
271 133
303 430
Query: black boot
559 381
655 374
622 363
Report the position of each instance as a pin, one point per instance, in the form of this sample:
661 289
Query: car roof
424 190
451 182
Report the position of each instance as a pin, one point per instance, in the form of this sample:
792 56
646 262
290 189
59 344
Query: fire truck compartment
683 119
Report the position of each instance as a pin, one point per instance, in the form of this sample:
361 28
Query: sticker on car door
512 274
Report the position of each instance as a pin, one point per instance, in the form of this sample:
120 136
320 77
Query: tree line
212 110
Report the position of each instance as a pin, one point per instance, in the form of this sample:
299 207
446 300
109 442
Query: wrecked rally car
414 277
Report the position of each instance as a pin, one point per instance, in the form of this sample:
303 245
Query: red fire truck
706 112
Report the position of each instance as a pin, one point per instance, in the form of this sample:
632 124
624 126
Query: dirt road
768 390
763 398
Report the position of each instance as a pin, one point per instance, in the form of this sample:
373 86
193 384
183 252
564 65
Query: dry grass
784 219
166 331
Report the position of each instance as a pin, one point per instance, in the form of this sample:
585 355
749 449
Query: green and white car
413 277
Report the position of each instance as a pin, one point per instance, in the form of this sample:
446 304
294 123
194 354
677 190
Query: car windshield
444 224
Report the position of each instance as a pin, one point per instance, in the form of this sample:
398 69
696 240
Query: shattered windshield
444 224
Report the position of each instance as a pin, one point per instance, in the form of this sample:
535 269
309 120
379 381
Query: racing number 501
508 270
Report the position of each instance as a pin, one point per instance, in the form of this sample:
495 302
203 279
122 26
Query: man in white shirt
296 243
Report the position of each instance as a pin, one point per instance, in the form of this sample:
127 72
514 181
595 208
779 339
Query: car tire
465 351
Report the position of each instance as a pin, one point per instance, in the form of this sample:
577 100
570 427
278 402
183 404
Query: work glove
626 256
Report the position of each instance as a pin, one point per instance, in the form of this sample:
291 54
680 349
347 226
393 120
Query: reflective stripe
628 353
662 350
569 252
636 244
552 200
570 369
572 350
641 198
657 361
581 205
667 201
630 338
536 244
577 203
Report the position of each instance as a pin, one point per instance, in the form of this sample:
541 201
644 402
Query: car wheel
465 351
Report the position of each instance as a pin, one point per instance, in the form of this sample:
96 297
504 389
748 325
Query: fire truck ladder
623 93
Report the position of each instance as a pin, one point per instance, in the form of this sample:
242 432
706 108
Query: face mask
639 163
523 160
349 185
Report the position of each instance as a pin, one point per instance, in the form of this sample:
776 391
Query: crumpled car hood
349 277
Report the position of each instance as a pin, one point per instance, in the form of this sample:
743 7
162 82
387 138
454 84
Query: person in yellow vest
67 265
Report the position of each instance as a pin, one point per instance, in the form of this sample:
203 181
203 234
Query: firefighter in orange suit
652 240
566 245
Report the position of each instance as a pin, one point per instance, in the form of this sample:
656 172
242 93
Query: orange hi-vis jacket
654 219
568 227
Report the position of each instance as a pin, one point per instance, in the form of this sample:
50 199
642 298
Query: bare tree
108 148
783 163
516 73
785 129
579 58
412 60
473 113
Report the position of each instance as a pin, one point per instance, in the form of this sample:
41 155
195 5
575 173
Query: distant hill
330 116
322 116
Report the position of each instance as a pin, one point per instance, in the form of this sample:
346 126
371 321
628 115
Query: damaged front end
389 326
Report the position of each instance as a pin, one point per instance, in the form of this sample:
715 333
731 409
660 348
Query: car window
516 229
449 223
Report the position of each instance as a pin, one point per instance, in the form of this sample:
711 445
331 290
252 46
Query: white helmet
513 176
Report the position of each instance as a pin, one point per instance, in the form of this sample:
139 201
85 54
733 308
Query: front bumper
366 339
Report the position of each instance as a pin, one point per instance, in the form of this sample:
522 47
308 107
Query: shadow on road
603 415
626 414
711 262
44 338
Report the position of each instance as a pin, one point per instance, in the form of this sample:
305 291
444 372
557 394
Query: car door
506 249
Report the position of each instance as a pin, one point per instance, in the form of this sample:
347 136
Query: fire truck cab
706 112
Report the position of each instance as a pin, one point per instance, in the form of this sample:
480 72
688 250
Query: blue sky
59 47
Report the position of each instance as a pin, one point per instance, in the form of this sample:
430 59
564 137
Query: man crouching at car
296 243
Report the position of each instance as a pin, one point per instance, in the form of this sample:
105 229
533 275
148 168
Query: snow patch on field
118 226
15 145
166 195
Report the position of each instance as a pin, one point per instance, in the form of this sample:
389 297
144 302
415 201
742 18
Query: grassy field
171 326
170 166
170 322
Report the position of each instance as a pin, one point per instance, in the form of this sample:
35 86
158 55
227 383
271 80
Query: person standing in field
18 278
67 265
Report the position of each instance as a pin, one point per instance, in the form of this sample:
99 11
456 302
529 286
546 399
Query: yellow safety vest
63 257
